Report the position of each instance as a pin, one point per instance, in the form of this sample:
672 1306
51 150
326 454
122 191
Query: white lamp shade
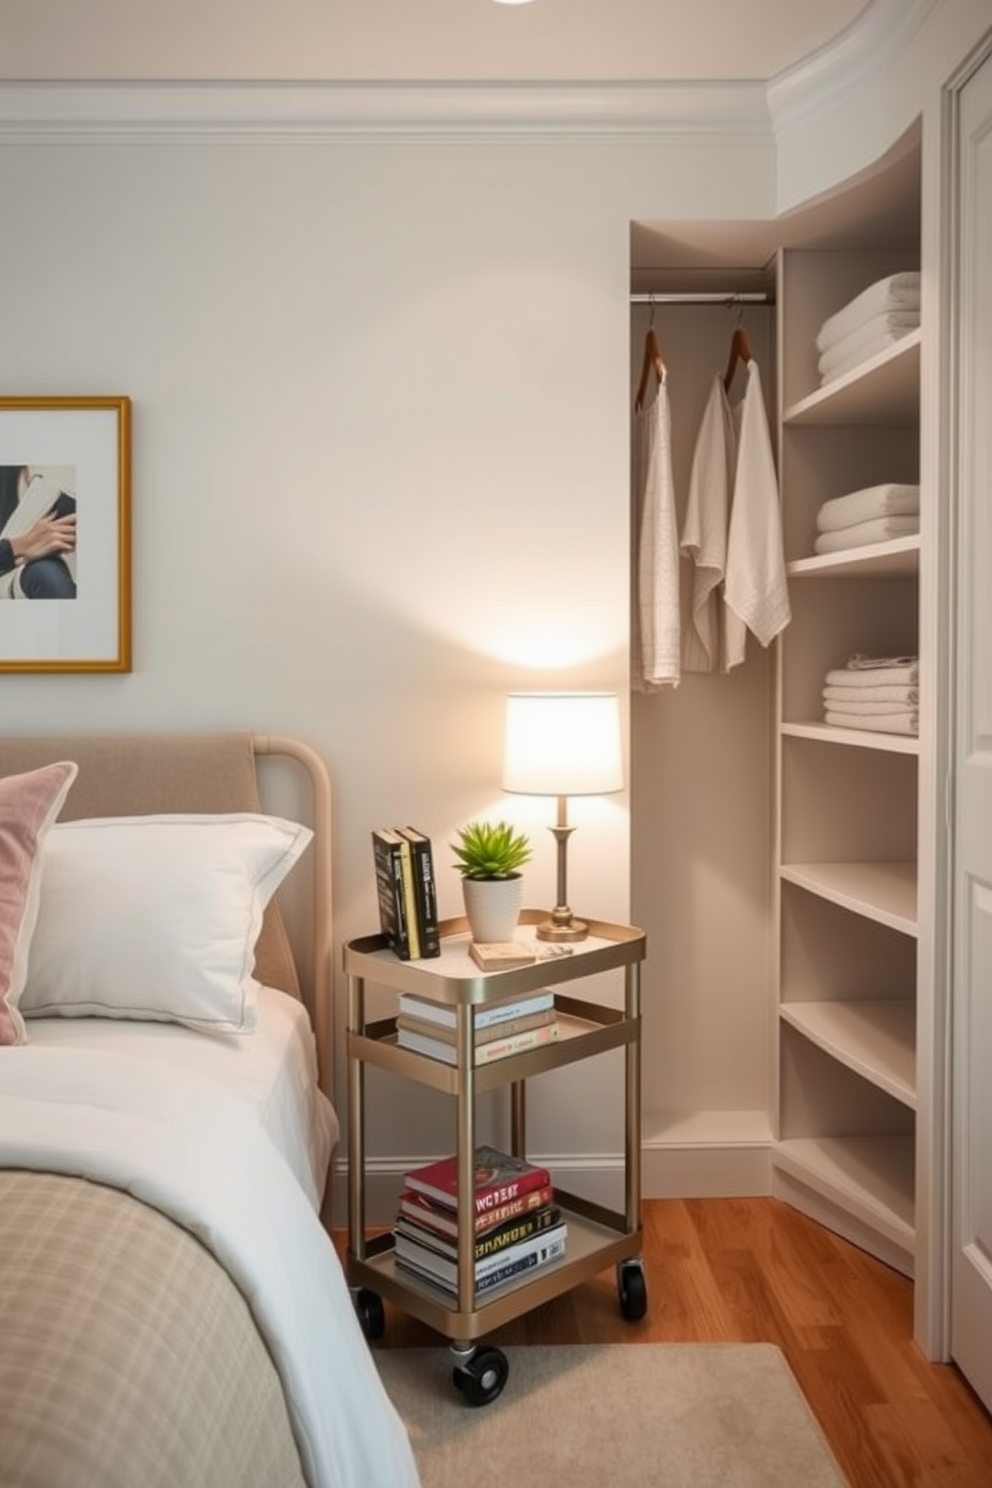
563 744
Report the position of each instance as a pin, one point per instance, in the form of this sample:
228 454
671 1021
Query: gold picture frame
65 534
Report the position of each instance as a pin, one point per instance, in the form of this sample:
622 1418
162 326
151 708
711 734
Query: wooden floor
755 1270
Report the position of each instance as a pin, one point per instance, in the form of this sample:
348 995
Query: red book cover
442 1219
499 1179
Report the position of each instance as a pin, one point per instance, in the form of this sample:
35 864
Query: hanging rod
707 297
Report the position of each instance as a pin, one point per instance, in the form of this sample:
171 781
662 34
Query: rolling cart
598 1237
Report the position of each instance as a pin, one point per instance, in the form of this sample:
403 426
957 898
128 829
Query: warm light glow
562 744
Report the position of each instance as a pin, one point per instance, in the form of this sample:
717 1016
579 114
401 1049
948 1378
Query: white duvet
194 1152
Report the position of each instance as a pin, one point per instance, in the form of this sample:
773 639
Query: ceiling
415 40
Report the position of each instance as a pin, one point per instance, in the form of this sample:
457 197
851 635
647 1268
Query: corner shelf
861 1186
885 389
884 892
876 1039
852 738
897 558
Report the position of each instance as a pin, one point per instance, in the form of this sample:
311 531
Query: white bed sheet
272 1070
194 1151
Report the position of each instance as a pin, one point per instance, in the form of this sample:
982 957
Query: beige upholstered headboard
142 774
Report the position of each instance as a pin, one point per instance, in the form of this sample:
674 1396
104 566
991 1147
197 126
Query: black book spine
423 860
389 888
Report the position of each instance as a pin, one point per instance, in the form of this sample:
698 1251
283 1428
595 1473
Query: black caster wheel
632 1289
482 1378
371 1313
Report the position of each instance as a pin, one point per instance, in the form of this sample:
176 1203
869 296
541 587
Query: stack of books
507 1028
407 891
518 1226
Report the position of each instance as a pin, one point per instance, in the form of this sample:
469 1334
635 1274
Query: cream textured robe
733 533
655 588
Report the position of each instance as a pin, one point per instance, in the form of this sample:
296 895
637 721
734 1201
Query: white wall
380 426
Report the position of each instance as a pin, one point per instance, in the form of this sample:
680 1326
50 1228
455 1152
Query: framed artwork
65 533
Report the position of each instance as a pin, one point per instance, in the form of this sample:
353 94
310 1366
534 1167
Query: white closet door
971 1284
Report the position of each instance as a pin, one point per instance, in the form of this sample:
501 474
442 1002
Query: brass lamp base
562 930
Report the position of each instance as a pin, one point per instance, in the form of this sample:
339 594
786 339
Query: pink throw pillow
29 804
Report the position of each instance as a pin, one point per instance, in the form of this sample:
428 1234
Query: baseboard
706 1155
698 1160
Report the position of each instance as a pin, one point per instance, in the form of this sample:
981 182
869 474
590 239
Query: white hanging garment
755 589
704 532
655 624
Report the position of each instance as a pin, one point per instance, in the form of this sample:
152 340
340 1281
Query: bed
174 1312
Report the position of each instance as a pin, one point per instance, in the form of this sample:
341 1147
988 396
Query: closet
793 956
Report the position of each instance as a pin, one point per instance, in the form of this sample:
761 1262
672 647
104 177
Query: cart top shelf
453 977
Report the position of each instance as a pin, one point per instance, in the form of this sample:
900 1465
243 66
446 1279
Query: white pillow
156 917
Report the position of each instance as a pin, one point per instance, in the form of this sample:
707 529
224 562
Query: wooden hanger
740 351
652 359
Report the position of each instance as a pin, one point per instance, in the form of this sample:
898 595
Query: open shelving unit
846 799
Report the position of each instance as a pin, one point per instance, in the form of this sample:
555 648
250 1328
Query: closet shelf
827 733
875 1038
871 1179
899 558
884 892
883 390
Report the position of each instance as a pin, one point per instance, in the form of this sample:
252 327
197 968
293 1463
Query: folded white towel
896 292
897 672
892 723
863 534
855 708
874 336
856 359
888 500
844 695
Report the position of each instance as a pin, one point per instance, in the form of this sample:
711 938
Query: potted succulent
489 858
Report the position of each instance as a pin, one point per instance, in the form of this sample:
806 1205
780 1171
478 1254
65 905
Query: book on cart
442 1220
485 1052
484 1035
407 892
488 1242
538 1250
425 890
445 1016
500 1178
393 921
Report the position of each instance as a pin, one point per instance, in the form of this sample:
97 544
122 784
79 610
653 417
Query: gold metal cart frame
598 1237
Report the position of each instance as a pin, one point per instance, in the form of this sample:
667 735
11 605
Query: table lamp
562 744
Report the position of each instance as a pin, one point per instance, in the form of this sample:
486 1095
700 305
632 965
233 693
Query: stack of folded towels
872 515
873 321
874 692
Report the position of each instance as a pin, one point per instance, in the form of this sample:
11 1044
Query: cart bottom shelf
591 1247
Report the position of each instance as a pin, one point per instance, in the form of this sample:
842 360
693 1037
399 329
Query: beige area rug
615 1416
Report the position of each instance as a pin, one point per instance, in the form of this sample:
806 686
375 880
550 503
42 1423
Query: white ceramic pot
492 907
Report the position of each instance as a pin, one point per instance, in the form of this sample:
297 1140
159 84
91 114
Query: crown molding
76 110
871 42
218 107
79 110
